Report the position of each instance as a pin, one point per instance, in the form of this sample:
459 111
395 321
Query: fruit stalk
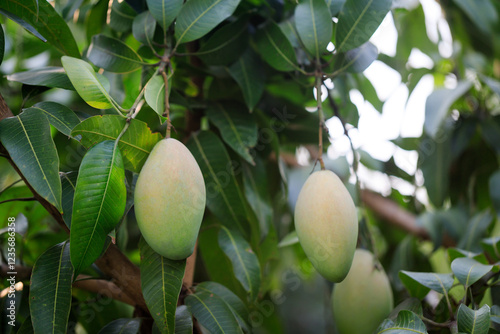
319 82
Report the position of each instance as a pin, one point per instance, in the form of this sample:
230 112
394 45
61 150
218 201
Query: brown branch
102 287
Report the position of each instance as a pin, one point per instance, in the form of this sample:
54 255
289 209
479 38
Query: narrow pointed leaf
335 6
86 83
314 25
164 11
48 23
99 202
275 48
213 313
161 282
492 247
468 271
247 72
121 16
113 55
155 93
60 116
237 126
473 322
227 44
50 290
122 326
198 17
68 182
224 197
476 229
358 20
27 139
289 239
183 320
407 322
357 60
246 266
23 24
143 28
135 144
441 283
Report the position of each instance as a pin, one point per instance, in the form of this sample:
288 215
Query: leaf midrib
196 20
228 233
209 311
113 138
354 26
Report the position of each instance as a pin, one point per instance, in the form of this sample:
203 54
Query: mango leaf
183 320
161 282
335 6
60 116
473 322
438 104
155 93
290 239
164 11
275 48
121 16
224 197
27 139
468 271
213 313
50 290
99 202
495 316
237 126
314 25
226 44
23 24
246 265
357 60
238 308
198 17
441 283
476 229
68 183
407 322
492 247
135 144
86 83
358 20
410 304
247 72
494 185
113 55
42 16
122 326
143 28
481 12
51 76
455 253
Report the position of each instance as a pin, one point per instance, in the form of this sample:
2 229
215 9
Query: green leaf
314 25
226 44
135 144
143 28
224 197
26 327
122 326
476 229
51 76
492 83
50 290
481 12
357 60
183 320
198 17
358 20
113 55
213 313
247 72
68 183
438 104
155 93
60 116
335 6
27 139
491 133
441 283
275 48
43 17
99 202
86 83
234 303
237 126
164 11
473 322
492 247
468 271
407 322
121 16
245 263
495 315
290 239
161 282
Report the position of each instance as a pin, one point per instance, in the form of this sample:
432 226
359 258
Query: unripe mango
327 225
170 200
364 299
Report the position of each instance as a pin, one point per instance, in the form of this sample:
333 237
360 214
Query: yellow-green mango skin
364 299
327 224
169 200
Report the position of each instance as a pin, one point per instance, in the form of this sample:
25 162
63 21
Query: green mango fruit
327 224
169 200
364 299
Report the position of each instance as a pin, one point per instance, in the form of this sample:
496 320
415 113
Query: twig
321 119
21 199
